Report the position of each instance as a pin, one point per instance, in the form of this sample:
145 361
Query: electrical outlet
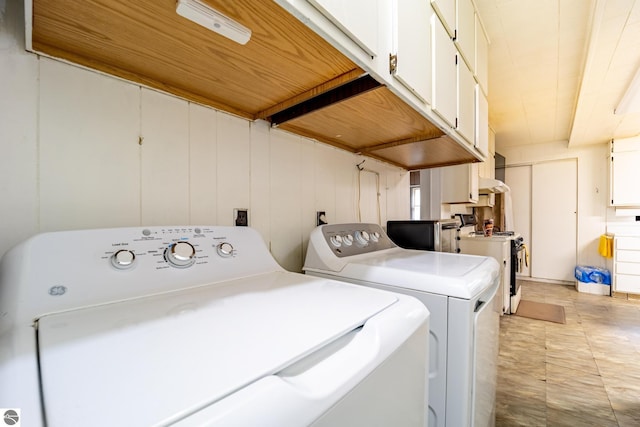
321 218
241 217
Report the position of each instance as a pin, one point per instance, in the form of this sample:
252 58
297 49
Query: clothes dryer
460 292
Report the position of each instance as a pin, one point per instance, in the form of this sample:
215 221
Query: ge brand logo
11 417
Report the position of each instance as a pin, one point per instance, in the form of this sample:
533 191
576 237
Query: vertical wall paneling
165 159
325 180
18 132
346 186
368 200
72 159
397 196
286 190
308 209
260 177
89 152
203 164
234 164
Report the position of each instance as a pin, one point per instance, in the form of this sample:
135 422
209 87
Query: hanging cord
360 170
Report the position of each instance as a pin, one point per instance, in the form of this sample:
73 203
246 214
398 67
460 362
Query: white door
553 221
358 19
518 178
413 50
444 73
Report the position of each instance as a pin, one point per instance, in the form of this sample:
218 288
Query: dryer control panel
355 238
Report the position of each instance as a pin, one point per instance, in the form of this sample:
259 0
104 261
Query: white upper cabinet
466 118
625 172
444 77
446 9
459 183
413 46
465 32
482 122
481 68
358 19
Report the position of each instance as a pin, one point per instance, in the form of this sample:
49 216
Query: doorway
544 199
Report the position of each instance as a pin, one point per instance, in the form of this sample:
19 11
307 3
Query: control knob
225 249
347 240
123 259
375 237
362 238
336 240
180 255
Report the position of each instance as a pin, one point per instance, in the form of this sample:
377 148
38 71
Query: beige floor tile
582 373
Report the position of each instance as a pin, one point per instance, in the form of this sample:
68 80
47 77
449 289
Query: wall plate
241 217
321 218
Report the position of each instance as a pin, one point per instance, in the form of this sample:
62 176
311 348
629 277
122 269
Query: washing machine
460 292
198 326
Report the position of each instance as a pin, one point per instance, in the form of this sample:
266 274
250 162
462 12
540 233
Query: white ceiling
558 69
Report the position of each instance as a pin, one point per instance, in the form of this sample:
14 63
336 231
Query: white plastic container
593 288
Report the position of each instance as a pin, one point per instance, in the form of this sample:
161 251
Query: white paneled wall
88 149
18 132
203 159
164 163
84 150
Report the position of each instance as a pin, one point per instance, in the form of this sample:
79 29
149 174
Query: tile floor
582 373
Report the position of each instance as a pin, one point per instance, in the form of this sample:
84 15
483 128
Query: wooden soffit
283 65
146 41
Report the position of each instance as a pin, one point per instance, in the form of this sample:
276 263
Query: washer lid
455 275
162 358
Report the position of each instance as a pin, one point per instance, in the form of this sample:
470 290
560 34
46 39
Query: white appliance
199 326
505 248
460 293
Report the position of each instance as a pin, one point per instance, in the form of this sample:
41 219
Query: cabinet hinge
393 63
455 34
456 126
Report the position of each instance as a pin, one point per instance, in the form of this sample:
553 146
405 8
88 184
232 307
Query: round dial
362 238
123 259
181 255
347 240
336 241
375 236
225 249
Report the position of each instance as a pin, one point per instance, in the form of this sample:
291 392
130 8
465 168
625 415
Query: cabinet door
466 118
444 79
625 175
358 19
413 50
446 10
460 183
482 122
465 32
481 69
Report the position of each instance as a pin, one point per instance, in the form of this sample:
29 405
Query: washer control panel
115 264
180 247
355 238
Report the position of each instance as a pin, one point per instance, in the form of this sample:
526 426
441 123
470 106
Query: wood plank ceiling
283 63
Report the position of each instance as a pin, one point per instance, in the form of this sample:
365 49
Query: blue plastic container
586 274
